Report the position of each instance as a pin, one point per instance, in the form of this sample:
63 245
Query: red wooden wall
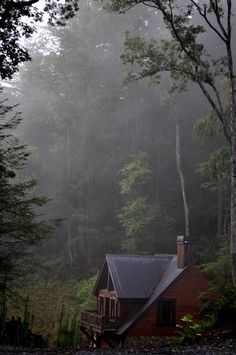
186 290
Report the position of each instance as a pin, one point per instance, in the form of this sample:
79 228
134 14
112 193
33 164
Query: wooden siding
186 290
127 308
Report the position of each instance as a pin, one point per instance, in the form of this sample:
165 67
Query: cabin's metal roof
136 276
170 275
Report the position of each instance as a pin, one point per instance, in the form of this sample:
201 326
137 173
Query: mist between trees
90 134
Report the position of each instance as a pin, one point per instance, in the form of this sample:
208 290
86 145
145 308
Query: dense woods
125 166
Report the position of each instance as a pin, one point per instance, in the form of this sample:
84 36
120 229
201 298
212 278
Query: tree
184 55
178 155
216 170
72 120
141 218
18 20
21 224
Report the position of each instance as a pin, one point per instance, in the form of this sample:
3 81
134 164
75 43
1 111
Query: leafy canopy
136 215
136 173
183 54
18 20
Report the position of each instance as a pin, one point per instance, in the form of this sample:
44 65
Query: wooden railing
97 321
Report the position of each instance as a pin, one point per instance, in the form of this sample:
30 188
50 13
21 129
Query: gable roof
134 276
170 275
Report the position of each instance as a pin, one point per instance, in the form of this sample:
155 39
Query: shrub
191 331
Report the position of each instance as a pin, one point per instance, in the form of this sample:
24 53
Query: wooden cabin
144 296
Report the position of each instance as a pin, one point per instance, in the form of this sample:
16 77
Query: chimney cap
184 239
180 239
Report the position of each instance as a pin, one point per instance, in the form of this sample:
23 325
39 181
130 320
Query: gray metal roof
136 276
170 275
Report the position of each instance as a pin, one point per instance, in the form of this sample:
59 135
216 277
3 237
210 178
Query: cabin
144 296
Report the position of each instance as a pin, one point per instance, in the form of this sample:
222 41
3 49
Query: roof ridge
142 255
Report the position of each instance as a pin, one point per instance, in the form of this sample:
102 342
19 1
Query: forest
108 146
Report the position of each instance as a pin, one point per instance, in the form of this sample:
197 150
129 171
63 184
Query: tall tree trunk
181 175
179 167
231 78
233 189
232 165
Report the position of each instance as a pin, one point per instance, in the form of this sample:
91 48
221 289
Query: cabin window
107 306
104 306
113 308
166 310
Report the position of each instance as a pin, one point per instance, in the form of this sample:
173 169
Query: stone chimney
186 251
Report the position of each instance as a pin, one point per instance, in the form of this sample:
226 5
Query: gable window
166 312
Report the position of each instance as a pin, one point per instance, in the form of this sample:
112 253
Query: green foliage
136 215
208 128
217 263
22 224
79 299
56 307
191 330
68 331
182 55
98 141
154 59
135 174
141 218
216 170
84 293
223 307
185 58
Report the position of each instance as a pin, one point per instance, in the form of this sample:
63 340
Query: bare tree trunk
179 168
181 175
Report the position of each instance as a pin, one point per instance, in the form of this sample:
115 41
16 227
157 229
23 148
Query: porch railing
100 323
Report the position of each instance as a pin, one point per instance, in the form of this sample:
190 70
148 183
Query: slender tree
185 57
179 164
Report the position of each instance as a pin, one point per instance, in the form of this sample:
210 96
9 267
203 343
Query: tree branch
204 15
21 4
215 108
229 3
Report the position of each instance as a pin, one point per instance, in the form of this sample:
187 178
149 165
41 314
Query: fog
83 124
